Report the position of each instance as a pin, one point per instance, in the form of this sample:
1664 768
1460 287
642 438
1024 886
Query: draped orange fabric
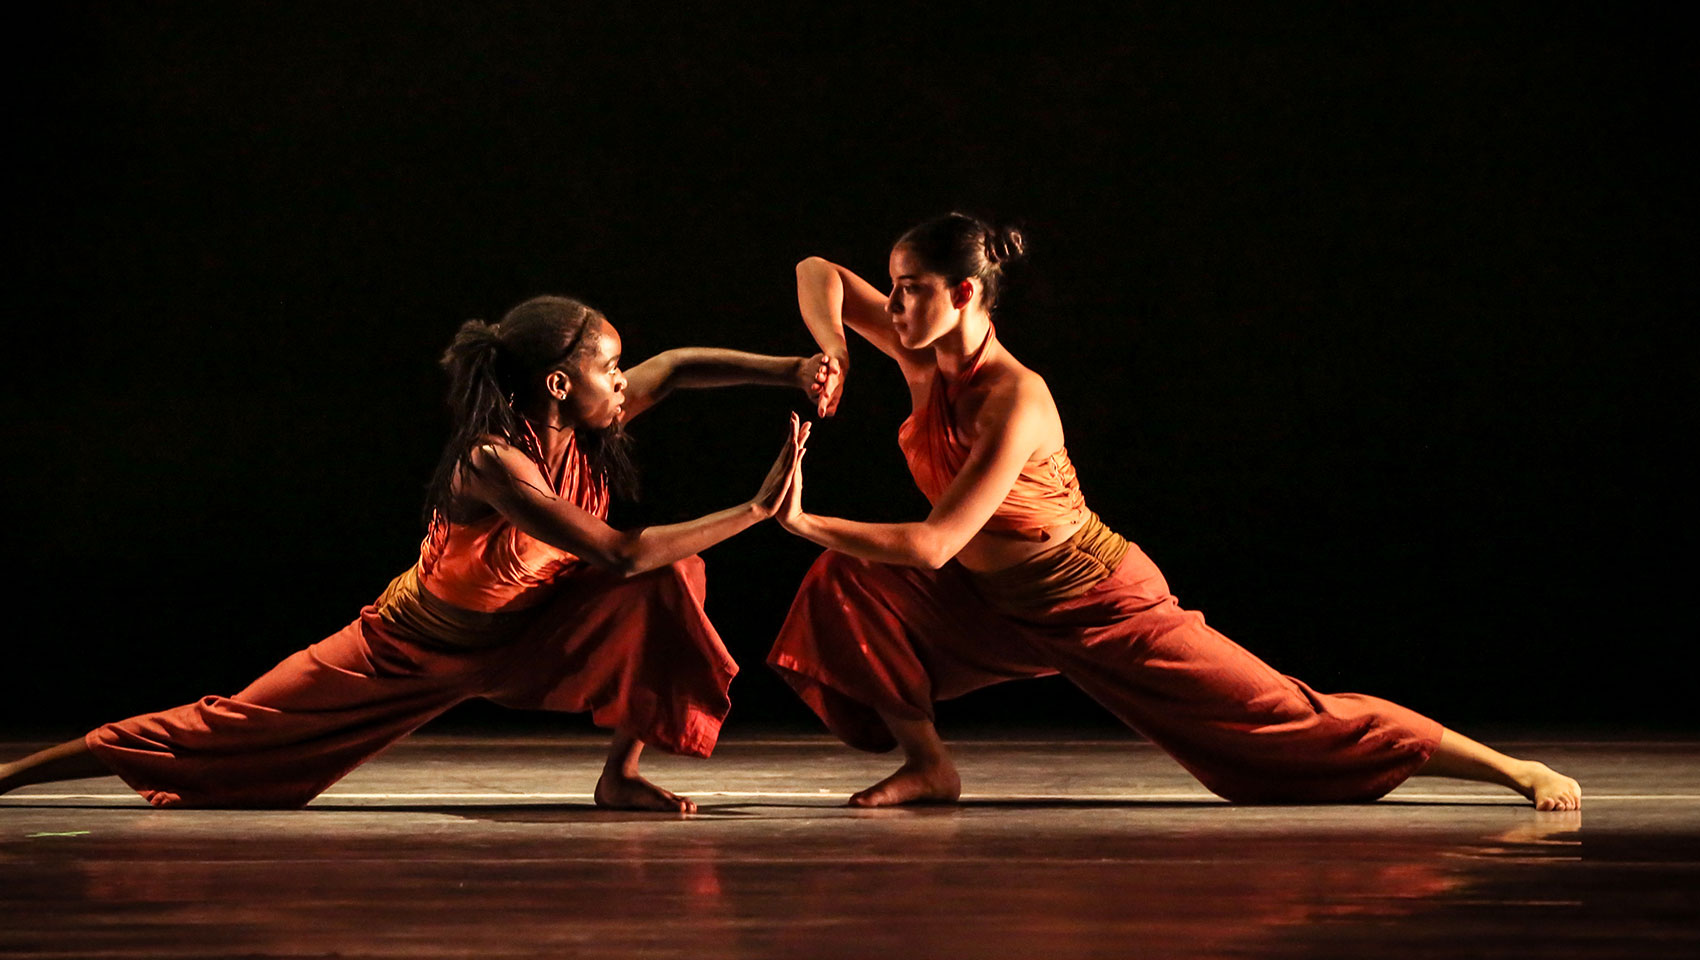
486 612
637 652
1046 493
490 566
865 639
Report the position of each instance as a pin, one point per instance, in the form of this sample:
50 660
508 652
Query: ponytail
480 405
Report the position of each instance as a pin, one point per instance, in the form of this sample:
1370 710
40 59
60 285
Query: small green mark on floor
67 833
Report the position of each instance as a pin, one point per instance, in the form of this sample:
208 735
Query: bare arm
510 482
831 297
1013 431
688 368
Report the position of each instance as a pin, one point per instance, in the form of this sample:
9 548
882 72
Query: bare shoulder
1017 399
496 461
494 453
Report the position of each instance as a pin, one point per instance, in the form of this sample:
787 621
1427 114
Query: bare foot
1549 789
618 792
913 783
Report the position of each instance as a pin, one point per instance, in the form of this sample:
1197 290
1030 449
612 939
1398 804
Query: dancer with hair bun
522 593
1011 575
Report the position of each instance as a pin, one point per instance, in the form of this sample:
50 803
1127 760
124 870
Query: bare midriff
991 550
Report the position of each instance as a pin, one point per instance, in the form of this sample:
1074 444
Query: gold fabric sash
416 614
1066 571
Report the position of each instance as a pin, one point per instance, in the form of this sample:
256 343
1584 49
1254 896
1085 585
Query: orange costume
487 611
864 637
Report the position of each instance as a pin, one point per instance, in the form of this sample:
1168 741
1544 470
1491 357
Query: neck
554 434
952 350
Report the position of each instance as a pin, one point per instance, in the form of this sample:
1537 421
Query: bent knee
833 566
687 575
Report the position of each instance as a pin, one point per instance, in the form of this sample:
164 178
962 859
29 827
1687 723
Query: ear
558 384
962 294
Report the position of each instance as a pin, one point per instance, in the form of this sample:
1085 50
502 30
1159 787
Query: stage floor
475 847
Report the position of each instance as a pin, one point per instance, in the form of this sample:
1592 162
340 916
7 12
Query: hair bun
1005 245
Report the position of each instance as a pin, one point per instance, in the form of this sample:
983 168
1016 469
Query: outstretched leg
927 774
70 760
1461 758
622 788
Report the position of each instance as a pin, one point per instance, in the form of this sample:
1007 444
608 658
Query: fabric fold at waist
417 614
1068 570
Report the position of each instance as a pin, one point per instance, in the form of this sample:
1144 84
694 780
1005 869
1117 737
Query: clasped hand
822 379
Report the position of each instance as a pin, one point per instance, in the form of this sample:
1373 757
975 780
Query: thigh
962 643
361 665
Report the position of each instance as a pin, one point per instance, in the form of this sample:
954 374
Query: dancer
522 593
1012 576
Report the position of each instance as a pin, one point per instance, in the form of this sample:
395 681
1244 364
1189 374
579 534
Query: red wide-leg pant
867 637
638 653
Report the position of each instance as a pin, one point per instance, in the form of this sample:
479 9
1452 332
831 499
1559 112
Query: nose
893 305
620 382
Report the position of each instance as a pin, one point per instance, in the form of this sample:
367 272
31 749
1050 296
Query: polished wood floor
480 847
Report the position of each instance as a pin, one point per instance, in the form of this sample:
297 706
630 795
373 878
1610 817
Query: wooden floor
461 846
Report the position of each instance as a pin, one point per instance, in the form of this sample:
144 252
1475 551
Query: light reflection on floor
454 846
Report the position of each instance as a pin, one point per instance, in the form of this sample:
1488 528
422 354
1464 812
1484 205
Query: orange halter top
1046 493
489 566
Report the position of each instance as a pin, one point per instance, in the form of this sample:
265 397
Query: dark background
1364 319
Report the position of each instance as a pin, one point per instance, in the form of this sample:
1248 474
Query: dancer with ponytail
522 593
1012 576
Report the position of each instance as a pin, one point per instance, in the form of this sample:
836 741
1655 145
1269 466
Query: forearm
820 299
697 367
648 548
904 544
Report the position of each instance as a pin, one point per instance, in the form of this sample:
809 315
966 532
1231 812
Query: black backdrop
1361 317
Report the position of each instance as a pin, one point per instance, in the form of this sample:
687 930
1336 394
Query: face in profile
921 306
598 395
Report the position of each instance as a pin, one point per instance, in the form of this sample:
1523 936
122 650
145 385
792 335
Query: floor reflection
936 883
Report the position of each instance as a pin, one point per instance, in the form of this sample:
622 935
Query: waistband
1070 569
417 614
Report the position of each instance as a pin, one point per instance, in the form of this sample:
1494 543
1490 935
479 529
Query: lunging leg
1461 758
70 760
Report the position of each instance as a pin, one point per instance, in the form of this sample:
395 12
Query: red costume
864 637
487 611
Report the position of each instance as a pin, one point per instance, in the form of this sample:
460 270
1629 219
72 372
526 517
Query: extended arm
1014 430
651 381
511 483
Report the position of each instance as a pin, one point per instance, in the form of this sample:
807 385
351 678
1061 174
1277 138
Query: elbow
931 551
620 565
809 265
620 559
